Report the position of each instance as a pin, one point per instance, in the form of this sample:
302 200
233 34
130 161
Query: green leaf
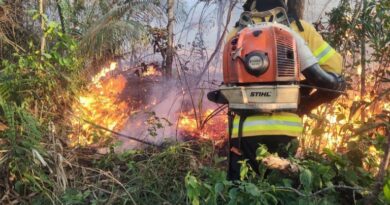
207 186
18 186
350 176
218 160
272 197
306 178
287 182
53 24
329 184
243 170
47 55
252 190
196 201
218 187
36 16
193 189
233 194
386 191
261 152
67 62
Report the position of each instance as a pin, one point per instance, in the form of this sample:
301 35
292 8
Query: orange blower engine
261 69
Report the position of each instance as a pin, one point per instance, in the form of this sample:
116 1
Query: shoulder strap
247 5
294 17
237 24
240 129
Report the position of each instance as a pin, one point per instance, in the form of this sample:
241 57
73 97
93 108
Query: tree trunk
61 15
385 160
220 17
363 62
43 26
170 49
220 41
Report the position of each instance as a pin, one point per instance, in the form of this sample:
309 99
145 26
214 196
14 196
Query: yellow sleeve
329 59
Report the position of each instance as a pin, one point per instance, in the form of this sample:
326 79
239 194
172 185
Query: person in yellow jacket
277 130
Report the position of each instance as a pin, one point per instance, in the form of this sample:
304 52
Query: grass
151 176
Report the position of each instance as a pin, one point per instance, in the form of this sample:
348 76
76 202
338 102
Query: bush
329 179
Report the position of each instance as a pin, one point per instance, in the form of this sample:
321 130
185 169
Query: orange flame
333 127
100 105
151 71
214 129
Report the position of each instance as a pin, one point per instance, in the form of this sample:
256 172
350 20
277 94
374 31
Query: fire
333 125
214 129
151 71
329 127
100 106
96 79
188 123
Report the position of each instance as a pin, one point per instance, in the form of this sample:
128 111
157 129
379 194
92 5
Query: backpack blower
260 66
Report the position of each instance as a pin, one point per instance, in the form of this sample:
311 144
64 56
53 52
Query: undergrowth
186 173
139 177
322 179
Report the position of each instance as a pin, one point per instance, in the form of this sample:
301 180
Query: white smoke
164 100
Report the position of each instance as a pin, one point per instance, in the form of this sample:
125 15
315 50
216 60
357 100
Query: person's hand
217 97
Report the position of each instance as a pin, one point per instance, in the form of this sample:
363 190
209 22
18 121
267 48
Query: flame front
151 71
214 129
100 106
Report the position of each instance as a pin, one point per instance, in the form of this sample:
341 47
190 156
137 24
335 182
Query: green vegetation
322 179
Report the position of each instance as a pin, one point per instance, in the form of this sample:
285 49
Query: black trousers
247 150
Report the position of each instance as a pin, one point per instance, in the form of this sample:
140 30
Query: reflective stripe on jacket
275 124
328 58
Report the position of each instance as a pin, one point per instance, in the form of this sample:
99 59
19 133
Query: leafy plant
329 180
107 36
24 161
35 88
35 79
156 123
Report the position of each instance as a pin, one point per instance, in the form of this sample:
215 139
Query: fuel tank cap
256 63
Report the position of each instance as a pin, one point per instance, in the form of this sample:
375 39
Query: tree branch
318 192
229 15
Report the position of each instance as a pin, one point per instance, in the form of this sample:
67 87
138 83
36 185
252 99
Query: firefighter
278 130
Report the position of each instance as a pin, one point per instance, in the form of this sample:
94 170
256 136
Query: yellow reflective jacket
283 123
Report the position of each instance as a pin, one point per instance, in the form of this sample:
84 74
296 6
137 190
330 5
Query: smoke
164 103
155 123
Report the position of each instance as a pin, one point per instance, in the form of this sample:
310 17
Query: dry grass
136 177
8 26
